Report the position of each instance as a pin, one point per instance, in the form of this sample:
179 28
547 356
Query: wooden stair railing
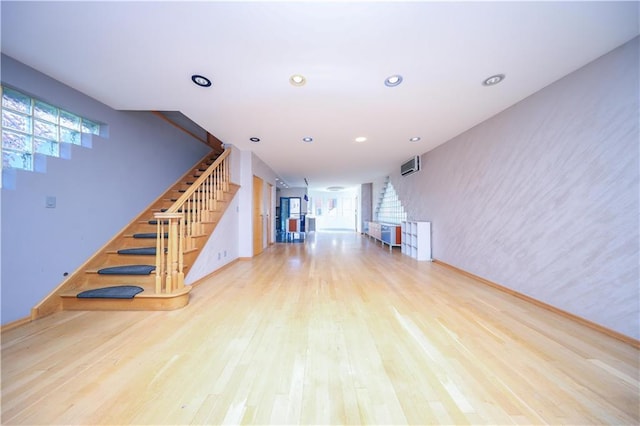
180 224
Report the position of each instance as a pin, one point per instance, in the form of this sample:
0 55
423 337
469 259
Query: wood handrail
180 201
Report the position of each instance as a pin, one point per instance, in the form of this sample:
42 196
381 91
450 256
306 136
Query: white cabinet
386 233
416 239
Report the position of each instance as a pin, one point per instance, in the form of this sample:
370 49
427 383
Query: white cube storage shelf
416 239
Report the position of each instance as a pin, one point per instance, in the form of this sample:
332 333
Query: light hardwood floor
334 331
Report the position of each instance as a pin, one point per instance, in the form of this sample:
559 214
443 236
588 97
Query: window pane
69 120
16 101
46 147
11 120
17 160
69 136
45 111
16 141
90 127
45 130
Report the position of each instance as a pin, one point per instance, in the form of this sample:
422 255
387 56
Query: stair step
111 292
148 300
151 251
128 270
179 211
155 222
149 235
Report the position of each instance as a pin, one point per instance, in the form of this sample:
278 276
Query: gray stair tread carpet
128 270
149 235
116 292
151 251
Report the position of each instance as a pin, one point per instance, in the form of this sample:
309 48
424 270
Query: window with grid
30 126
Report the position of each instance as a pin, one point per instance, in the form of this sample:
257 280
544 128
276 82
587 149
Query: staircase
155 250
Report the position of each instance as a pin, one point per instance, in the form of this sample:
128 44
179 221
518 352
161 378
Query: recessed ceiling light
493 80
201 80
361 139
297 80
254 139
393 81
414 139
307 139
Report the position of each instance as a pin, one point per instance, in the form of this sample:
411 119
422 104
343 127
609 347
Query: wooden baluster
217 186
172 257
180 280
199 212
225 174
214 186
222 187
210 206
158 256
207 186
203 206
192 222
192 225
163 257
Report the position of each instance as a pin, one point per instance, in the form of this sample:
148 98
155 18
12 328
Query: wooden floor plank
336 330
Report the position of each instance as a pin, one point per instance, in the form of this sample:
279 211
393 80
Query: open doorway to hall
335 210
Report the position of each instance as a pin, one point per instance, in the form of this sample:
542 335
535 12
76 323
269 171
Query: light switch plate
50 202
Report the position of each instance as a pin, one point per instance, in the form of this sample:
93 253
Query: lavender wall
98 190
543 197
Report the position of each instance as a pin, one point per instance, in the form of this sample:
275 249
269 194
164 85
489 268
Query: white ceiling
141 55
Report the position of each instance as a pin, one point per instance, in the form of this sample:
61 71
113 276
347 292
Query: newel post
169 263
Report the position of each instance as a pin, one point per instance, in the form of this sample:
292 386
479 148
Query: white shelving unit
387 233
416 239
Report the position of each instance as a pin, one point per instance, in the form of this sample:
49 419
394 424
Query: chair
293 227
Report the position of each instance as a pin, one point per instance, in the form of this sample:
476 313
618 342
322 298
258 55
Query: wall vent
410 166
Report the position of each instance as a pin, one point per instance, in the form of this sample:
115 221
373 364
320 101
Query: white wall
99 190
543 197
221 248
344 216
245 202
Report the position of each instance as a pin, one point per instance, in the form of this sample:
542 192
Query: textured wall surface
543 197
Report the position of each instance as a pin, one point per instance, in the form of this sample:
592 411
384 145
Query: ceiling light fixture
297 80
393 81
254 139
493 80
414 139
335 188
201 80
307 139
361 139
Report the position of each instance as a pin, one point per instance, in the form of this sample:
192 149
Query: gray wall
99 190
543 197
366 204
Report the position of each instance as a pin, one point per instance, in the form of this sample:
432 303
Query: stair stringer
77 280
